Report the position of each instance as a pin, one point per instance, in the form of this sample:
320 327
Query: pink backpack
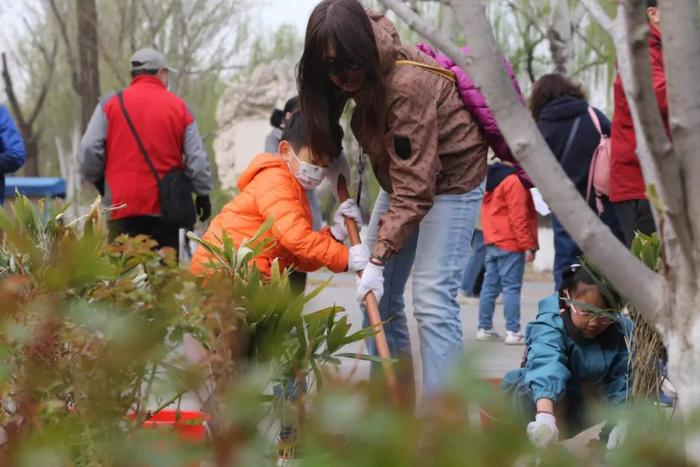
599 174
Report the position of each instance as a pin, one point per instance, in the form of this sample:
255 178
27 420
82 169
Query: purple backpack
476 104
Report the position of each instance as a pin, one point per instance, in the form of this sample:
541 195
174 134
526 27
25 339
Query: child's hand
358 257
530 256
348 209
543 431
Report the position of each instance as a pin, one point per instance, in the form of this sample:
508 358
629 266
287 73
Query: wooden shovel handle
373 314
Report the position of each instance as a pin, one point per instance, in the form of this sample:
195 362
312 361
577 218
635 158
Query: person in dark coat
560 109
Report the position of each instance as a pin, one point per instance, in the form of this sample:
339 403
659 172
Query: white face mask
308 175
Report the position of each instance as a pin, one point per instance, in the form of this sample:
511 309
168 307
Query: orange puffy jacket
269 190
508 214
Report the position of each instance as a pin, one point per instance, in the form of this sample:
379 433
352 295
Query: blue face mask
308 175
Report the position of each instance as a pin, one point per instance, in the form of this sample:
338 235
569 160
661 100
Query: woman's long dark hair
346 25
551 87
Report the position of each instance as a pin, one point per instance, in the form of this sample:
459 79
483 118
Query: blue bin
35 187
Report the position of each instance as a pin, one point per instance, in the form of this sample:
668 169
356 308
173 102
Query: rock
243 115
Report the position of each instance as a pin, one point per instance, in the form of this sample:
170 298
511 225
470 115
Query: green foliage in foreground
91 332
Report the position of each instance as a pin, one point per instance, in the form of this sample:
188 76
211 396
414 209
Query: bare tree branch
596 240
681 34
11 95
72 60
46 84
599 15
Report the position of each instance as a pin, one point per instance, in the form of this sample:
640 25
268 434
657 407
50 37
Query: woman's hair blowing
344 25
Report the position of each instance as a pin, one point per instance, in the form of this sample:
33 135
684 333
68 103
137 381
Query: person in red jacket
509 221
627 186
111 159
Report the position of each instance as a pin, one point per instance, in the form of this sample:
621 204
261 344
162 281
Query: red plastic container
190 425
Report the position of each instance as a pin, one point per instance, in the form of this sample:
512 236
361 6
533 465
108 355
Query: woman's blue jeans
436 254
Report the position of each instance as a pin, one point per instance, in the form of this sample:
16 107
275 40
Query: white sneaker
487 335
514 338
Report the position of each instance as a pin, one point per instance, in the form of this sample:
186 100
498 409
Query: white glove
543 431
337 168
358 257
347 209
372 280
617 435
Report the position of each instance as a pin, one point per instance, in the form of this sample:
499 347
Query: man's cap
149 59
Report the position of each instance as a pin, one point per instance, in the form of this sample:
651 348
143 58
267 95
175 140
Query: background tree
41 49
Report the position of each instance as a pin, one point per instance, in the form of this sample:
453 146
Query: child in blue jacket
573 356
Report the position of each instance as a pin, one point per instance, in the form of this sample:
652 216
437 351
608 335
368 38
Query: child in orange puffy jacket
509 221
274 187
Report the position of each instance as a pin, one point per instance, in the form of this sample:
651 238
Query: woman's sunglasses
339 66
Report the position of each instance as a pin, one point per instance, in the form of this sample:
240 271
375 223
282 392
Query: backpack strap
591 171
433 69
596 120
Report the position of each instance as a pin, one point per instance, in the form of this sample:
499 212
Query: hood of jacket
563 108
387 38
496 174
258 164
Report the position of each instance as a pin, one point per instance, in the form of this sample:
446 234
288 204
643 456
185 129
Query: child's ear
283 147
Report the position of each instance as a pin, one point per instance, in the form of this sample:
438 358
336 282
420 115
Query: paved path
495 358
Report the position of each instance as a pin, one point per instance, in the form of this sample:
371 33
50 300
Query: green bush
90 340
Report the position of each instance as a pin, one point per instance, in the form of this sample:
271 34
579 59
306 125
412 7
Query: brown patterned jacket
431 145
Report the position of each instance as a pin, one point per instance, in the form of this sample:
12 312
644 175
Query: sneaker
514 338
487 335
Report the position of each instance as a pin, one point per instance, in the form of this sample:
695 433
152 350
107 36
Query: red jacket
627 181
508 214
169 133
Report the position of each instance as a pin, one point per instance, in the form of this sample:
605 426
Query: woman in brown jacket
428 154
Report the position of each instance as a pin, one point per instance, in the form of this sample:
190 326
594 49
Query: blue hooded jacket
11 148
559 364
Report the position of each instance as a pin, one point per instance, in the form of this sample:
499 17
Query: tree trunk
681 39
31 162
88 58
560 35
684 365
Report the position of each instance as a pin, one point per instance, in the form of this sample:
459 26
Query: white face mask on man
308 175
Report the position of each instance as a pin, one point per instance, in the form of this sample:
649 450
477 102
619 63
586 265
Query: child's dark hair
572 277
588 274
652 4
295 132
277 117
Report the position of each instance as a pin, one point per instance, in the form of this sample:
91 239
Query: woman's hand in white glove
372 280
358 257
543 431
348 209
